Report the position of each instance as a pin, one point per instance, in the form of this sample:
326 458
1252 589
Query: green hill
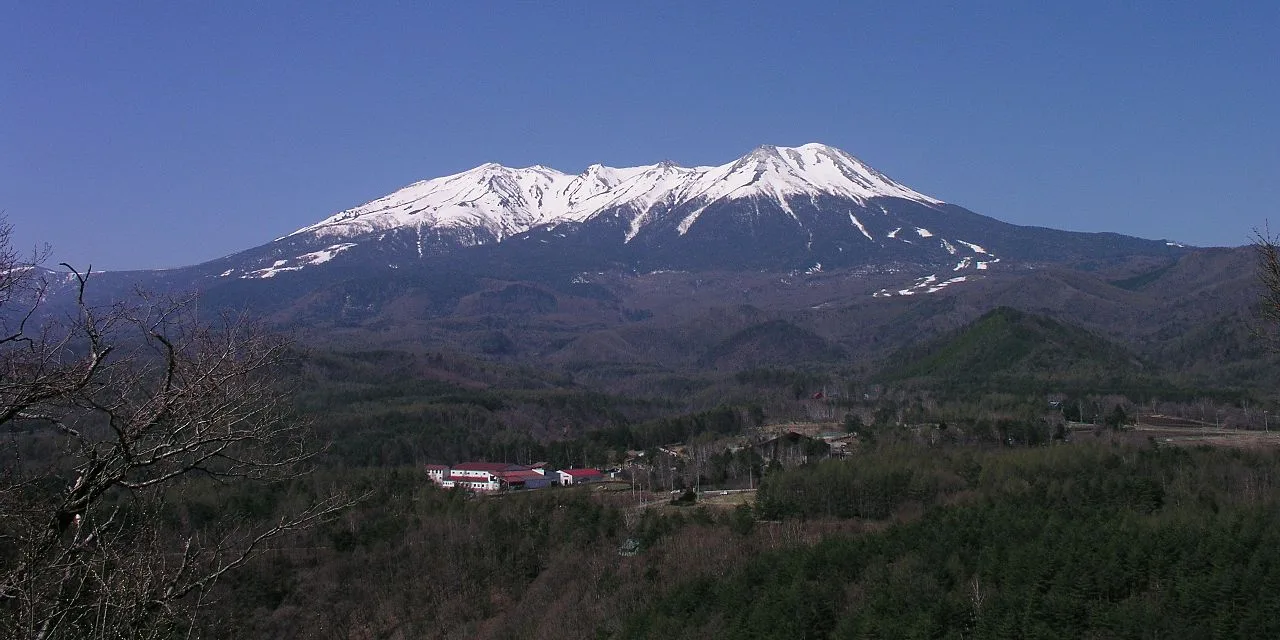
1010 350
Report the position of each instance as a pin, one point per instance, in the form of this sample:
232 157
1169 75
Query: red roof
437 467
519 475
582 473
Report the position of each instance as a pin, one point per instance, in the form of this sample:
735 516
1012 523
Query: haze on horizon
172 135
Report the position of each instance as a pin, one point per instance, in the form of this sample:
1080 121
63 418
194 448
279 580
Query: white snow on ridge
506 201
305 260
781 172
923 232
972 247
324 255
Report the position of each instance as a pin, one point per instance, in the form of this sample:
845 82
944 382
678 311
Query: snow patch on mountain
324 255
858 224
972 247
946 283
930 283
927 284
297 263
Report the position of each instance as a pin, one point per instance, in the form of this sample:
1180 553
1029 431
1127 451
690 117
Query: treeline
720 421
415 422
376 409
563 428
609 446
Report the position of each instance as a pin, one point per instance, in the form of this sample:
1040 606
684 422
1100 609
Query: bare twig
138 398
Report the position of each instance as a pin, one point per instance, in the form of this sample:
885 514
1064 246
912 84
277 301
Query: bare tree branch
138 400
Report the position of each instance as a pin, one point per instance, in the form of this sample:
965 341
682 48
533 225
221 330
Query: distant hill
1010 350
771 343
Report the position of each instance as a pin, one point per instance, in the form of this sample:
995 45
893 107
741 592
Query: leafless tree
107 413
1269 276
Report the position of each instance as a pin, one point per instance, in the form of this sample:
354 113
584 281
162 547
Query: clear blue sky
172 133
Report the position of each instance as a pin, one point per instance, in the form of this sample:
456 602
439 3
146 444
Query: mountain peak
819 147
492 202
764 151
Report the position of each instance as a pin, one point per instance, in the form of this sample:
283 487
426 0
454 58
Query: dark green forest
1068 542
1084 540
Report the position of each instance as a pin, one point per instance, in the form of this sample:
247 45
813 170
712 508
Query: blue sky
172 133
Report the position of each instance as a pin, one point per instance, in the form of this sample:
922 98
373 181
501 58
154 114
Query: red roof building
488 476
577 476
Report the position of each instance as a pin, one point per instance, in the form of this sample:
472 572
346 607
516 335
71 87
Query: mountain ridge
503 201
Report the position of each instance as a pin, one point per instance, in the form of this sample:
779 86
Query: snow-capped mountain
778 213
804 208
491 202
